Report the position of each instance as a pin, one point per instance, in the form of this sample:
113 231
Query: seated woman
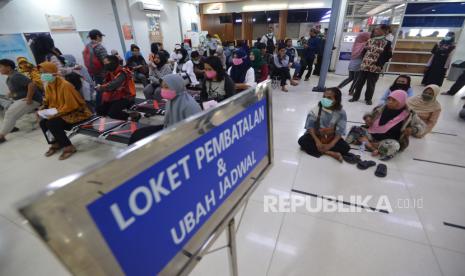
180 105
118 90
217 85
199 66
159 68
259 66
185 65
387 127
281 63
325 125
29 70
70 106
401 83
427 107
241 71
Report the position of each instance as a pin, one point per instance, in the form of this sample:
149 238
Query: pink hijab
359 44
401 97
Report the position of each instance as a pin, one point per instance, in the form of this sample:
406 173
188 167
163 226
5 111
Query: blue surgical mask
47 77
326 103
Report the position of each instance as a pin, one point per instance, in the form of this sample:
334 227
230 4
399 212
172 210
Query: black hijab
238 72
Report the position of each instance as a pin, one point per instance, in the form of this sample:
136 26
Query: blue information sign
148 219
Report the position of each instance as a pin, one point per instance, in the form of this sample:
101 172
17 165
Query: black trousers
143 133
459 83
284 74
115 109
56 127
308 145
308 63
353 76
371 79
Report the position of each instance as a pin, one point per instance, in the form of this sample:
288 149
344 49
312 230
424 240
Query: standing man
269 40
311 49
378 52
93 56
26 96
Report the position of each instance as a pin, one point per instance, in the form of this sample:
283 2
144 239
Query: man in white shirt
269 40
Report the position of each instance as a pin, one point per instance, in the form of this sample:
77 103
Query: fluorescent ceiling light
253 19
238 20
400 6
306 5
268 19
215 8
264 7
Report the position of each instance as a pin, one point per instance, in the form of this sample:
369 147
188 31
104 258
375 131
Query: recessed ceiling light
433 10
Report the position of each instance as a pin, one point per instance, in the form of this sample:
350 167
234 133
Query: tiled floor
408 241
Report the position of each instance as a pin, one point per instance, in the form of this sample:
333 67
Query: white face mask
179 56
390 37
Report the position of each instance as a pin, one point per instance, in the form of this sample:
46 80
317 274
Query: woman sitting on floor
259 66
281 65
427 107
217 85
70 109
402 82
325 125
159 67
241 71
387 127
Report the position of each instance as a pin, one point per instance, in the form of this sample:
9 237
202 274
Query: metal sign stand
232 246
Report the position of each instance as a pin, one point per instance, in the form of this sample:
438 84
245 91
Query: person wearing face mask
259 66
220 54
228 52
389 126
217 85
241 71
427 107
180 105
437 66
198 63
176 55
186 66
377 52
159 68
118 91
281 66
325 126
69 109
402 82
269 40
24 93
138 65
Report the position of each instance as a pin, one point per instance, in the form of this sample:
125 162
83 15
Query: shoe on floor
306 79
15 129
2 140
352 100
446 93
369 102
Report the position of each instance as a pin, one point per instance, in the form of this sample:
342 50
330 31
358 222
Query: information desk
158 207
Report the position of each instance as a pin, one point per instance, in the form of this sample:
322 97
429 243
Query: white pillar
339 28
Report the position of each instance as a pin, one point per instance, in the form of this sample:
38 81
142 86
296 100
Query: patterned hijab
419 105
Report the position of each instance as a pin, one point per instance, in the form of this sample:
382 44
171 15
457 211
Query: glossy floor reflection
408 241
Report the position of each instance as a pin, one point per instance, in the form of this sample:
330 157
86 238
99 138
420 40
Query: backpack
92 62
269 41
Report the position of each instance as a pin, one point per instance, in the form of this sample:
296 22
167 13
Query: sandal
381 170
351 158
67 154
52 150
363 165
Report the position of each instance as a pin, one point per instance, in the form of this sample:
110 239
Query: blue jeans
297 67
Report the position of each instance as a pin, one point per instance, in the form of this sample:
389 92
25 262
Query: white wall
189 14
29 16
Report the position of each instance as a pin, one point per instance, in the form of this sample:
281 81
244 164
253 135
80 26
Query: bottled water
362 149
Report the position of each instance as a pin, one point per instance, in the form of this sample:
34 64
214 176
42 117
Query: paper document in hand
209 104
46 113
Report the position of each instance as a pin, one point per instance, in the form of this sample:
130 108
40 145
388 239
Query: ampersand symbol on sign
221 167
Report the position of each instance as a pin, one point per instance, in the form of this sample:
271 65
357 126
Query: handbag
326 135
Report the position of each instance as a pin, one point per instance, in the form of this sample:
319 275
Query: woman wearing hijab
185 65
70 108
217 85
159 68
259 66
387 127
427 107
220 54
355 61
29 70
401 83
325 125
241 71
179 106
440 61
